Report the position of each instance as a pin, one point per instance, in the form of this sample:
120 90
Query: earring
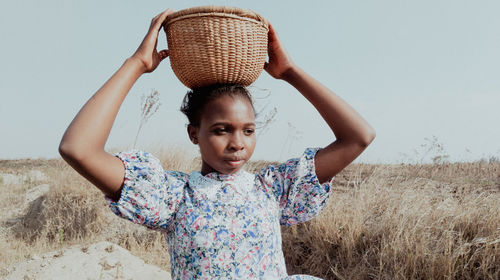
195 140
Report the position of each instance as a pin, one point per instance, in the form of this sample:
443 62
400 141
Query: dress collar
215 178
224 177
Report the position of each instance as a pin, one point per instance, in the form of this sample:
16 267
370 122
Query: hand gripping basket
216 45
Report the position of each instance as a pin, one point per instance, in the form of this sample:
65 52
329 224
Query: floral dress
221 226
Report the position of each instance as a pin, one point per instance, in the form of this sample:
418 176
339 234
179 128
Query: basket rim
216 11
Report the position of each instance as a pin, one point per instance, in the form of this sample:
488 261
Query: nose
236 142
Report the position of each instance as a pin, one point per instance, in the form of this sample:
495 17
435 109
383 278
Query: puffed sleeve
150 196
296 188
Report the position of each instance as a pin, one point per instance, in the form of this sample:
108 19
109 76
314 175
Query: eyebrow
229 124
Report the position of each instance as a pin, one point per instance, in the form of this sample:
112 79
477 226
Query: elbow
367 138
69 153
65 151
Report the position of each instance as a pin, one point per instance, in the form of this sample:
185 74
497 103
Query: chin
228 167
229 171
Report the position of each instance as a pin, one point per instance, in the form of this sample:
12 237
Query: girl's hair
195 100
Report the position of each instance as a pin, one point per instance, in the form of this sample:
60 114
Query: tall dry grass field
438 221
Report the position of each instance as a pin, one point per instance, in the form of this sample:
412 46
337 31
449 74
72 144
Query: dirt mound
61 215
103 260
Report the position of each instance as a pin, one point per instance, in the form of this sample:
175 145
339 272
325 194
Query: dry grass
404 222
438 221
149 106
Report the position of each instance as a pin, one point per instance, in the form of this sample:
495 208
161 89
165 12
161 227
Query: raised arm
82 145
353 134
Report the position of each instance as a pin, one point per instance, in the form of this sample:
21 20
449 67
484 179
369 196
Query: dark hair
195 100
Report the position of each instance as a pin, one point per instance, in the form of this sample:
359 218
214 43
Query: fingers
266 66
163 54
271 28
158 20
151 38
272 36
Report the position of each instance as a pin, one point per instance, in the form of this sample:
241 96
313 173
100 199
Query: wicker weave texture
216 48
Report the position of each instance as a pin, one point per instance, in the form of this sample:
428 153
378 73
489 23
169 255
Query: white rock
103 260
35 193
31 176
10 179
34 176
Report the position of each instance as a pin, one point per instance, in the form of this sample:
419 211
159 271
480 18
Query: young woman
221 221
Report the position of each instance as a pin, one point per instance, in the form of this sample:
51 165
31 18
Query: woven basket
216 45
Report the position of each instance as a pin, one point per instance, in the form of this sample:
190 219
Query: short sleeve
150 196
296 187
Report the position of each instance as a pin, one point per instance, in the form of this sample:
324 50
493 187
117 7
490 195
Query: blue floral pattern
222 226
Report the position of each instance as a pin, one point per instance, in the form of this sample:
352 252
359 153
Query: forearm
352 133
90 129
344 121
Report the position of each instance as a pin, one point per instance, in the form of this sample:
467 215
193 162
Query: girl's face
226 134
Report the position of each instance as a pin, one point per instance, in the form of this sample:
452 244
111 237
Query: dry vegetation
439 221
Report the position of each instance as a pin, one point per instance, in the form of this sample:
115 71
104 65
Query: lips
235 161
234 157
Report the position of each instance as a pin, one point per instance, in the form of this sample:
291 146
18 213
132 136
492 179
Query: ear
193 133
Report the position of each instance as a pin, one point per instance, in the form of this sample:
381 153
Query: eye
220 131
249 131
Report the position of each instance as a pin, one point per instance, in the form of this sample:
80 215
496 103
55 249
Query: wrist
136 64
290 75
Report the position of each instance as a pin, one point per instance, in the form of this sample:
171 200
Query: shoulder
278 175
178 175
176 180
143 164
301 164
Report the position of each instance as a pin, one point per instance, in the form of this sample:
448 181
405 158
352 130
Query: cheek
251 141
214 143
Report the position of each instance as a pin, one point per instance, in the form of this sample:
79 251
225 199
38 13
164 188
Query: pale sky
414 69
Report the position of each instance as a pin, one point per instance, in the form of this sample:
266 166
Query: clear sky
413 69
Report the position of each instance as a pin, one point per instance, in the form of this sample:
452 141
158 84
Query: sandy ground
103 260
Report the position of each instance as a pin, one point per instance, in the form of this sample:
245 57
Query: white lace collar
242 179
